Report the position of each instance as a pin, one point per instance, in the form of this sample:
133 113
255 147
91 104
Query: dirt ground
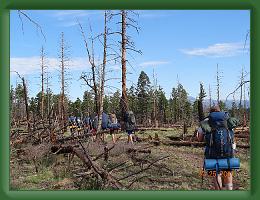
37 169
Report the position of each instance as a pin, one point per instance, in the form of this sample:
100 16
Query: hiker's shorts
129 132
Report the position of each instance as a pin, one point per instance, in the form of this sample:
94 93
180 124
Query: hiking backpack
220 139
93 121
130 120
113 123
105 121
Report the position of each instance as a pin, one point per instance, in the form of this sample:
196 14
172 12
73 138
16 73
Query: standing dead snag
103 71
63 64
90 79
126 44
218 77
124 101
210 99
96 79
25 101
26 104
43 67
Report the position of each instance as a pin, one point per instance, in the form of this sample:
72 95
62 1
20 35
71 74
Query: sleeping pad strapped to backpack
113 123
220 139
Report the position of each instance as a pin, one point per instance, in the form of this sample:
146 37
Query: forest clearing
151 164
111 125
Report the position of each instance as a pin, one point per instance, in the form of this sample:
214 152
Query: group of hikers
217 130
89 124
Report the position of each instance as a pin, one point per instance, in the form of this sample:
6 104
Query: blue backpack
220 139
105 121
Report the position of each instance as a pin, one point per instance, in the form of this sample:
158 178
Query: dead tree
96 79
43 71
210 99
26 104
124 101
155 99
218 86
241 86
63 67
103 71
126 21
241 89
25 101
90 78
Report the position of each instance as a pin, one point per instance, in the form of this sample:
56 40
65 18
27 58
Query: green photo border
7 5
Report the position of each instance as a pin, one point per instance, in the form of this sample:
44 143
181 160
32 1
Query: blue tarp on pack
105 121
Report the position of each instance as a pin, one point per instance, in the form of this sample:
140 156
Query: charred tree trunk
62 97
26 104
42 82
103 71
124 101
210 100
218 86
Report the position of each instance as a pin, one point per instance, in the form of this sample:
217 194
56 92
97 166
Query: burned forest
84 143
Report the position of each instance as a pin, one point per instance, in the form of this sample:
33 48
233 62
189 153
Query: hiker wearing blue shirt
217 131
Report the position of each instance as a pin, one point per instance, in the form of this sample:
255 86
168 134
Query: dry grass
55 172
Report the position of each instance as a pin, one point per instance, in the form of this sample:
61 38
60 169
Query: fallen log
85 158
153 129
177 138
184 143
84 135
196 144
165 180
132 150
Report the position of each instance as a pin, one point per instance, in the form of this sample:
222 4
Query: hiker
79 124
104 124
217 131
93 125
113 126
86 124
130 126
72 124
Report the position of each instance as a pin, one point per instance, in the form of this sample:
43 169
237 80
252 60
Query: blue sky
183 45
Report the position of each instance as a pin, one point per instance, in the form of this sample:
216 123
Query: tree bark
103 71
62 97
26 104
42 80
124 101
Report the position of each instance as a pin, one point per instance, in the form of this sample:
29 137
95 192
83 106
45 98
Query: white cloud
67 18
153 63
154 14
217 50
31 65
